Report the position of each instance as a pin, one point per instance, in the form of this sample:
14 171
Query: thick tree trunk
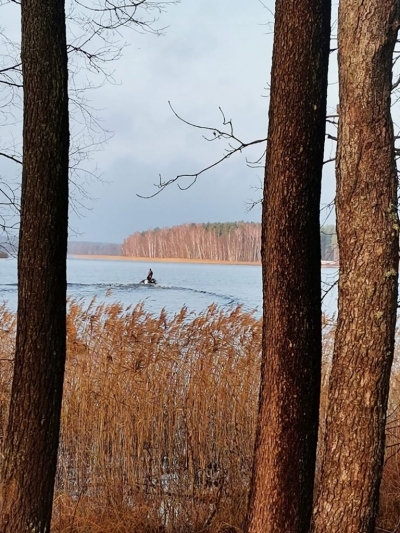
33 429
368 234
282 486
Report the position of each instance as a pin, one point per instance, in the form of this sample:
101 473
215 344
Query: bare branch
216 134
13 158
112 15
396 83
258 163
163 184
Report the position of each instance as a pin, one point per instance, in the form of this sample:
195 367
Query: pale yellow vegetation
159 418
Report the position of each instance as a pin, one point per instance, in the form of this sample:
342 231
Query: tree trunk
368 233
31 445
282 485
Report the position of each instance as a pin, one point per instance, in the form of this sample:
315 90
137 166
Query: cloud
212 54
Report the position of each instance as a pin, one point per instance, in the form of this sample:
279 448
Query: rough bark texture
368 235
29 465
282 487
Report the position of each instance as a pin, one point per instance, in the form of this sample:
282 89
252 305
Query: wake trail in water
143 291
144 288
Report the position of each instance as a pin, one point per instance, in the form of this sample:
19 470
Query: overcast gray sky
213 53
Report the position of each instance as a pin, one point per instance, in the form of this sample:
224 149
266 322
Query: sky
213 54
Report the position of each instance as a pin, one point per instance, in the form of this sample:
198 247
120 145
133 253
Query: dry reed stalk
389 508
159 418
7 346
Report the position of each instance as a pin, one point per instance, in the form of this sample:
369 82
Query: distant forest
8 247
228 241
94 248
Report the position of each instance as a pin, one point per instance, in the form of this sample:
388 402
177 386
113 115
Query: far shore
176 260
161 259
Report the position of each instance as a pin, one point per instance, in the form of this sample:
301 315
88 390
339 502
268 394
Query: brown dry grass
158 420
159 417
389 511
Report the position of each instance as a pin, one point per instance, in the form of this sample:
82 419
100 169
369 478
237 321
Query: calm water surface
195 286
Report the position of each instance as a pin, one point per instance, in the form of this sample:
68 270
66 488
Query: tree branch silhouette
235 145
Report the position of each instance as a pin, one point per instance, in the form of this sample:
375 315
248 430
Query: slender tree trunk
368 234
33 429
282 486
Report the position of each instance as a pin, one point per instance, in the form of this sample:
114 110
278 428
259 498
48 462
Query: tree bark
368 234
283 473
31 445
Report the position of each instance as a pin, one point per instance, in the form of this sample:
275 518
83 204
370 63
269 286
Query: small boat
149 282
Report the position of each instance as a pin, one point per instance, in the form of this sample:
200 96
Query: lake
194 285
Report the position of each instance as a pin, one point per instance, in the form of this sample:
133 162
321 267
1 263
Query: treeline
329 248
94 248
8 247
228 241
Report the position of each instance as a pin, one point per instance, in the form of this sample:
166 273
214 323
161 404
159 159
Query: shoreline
160 259
324 264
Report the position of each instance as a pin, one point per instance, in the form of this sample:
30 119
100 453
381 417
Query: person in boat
150 276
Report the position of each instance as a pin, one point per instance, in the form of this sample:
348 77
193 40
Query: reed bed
159 418
389 505
7 346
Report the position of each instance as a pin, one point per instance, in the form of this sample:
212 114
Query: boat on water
146 281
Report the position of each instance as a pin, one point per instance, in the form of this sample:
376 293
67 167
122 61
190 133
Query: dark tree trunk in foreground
33 429
368 233
282 486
